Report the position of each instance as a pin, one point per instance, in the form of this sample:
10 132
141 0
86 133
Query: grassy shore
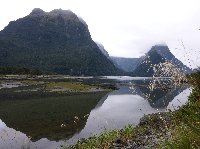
14 87
173 130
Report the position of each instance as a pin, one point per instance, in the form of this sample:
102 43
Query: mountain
158 54
102 49
58 41
126 64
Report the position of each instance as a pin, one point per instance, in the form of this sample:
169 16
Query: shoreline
177 129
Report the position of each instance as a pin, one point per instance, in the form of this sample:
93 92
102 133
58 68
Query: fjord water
67 119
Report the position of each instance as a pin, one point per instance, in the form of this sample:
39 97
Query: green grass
187 128
130 133
105 140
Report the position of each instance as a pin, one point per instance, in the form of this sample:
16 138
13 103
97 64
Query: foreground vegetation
18 70
172 130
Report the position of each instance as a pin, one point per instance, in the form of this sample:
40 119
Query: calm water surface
95 113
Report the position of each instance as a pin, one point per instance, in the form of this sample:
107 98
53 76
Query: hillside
158 54
57 41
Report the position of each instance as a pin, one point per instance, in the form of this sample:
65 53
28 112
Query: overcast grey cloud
128 28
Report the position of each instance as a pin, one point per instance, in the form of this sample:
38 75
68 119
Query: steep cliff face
57 41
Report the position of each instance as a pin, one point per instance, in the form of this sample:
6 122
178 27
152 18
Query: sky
127 28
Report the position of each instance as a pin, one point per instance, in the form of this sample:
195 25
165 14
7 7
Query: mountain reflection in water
117 109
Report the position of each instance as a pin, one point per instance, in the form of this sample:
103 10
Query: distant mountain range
126 64
142 66
57 41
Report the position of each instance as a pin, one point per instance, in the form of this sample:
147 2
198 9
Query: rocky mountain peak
66 14
37 11
162 50
62 12
160 47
